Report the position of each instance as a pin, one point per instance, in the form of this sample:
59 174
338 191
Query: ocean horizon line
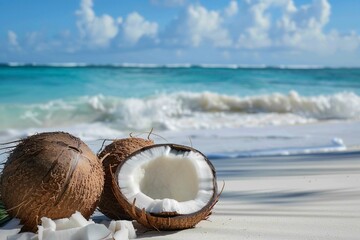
174 65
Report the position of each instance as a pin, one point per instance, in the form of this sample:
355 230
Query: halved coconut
112 155
166 186
51 175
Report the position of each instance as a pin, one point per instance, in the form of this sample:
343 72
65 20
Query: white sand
293 197
313 196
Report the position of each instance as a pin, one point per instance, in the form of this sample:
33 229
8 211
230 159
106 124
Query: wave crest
184 110
338 106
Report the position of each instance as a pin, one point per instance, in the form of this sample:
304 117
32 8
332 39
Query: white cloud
135 27
36 42
264 28
99 31
197 26
96 31
303 27
232 9
12 40
253 25
297 28
256 33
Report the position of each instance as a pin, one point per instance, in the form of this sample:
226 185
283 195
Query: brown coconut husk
114 154
168 220
51 175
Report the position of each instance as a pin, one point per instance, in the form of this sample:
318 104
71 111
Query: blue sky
270 32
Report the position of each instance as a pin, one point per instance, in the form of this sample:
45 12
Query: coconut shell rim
169 219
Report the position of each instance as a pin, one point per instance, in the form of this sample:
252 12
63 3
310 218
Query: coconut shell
166 221
51 175
115 153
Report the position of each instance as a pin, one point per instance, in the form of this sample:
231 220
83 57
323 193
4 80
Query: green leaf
4 217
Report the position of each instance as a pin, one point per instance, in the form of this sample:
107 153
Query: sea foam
184 110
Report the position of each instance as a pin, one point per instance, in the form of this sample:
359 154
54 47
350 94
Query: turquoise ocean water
174 97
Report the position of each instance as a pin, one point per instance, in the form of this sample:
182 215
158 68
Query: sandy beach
281 182
282 197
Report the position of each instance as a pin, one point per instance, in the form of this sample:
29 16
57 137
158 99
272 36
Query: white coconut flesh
167 180
75 227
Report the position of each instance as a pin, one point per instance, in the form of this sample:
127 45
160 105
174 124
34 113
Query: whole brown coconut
51 175
115 153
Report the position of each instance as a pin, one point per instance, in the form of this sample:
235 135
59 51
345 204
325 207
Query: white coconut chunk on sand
73 228
163 179
122 234
89 232
122 229
76 220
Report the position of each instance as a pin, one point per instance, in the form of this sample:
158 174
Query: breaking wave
184 110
